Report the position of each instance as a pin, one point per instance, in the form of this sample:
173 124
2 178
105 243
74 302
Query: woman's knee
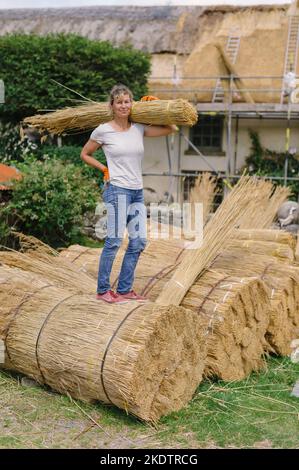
113 244
137 244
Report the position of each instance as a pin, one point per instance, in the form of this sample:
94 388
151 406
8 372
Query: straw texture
234 308
203 191
143 358
217 233
280 251
282 282
90 115
61 274
278 236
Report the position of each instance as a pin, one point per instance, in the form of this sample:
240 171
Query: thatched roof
263 36
190 33
153 29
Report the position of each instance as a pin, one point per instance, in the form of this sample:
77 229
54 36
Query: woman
122 143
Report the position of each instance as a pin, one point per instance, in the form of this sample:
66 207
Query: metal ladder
291 55
232 49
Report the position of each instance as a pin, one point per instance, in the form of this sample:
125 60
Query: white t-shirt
124 152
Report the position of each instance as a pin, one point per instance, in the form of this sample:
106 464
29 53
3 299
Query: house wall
272 135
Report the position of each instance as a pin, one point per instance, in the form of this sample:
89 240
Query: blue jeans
125 208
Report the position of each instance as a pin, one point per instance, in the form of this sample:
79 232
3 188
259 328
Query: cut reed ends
238 312
145 359
90 115
282 281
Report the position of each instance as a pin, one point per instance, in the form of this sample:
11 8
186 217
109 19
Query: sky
8 4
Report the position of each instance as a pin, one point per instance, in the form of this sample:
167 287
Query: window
207 134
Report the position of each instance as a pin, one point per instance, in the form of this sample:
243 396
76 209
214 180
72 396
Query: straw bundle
263 214
297 250
60 274
239 310
158 254
143 358
217 233
90 115
280 251
203 191
278 236
282 282
236 308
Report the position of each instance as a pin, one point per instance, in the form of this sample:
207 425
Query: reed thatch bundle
280 251
143 358
282 281
158 254
297 250
263 214
203 191
239 310
90 115
238 307
278 236
217 232
61 274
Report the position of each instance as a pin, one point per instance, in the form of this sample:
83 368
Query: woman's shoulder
99 133
103 127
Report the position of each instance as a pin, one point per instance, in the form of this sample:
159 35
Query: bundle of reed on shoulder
91 114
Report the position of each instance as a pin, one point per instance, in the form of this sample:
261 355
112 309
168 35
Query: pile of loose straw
90 115
143 358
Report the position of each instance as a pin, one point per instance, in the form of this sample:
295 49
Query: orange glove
106 174
149 98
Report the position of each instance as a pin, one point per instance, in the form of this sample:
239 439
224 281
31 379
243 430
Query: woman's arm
86 154
158 131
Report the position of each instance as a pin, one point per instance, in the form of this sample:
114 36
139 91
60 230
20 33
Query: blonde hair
119 90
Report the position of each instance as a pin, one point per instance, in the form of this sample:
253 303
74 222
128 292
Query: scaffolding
233 112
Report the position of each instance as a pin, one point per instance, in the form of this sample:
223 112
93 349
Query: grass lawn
254 413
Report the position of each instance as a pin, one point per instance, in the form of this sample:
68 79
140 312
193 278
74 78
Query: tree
29 63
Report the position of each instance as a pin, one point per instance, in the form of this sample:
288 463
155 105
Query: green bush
50 200
14 150
266 162
71 154
29 62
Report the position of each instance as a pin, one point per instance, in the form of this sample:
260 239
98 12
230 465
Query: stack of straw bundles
143 358
236 309
90 115
217 233
282 282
